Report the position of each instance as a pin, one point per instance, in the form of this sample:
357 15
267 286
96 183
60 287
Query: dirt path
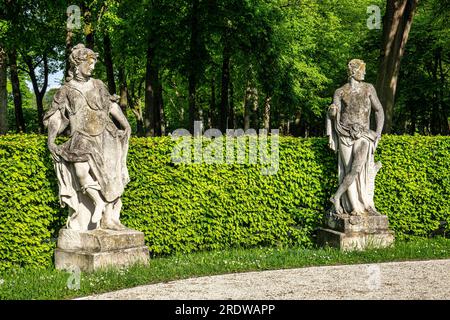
393 280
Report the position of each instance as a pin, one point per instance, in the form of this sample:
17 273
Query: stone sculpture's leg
110 218
89 186
358 159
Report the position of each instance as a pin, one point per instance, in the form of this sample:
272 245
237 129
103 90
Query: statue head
357 69
82 62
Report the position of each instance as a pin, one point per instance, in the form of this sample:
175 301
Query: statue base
360 232
100 248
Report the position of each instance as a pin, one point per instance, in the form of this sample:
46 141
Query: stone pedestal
355 232
100 248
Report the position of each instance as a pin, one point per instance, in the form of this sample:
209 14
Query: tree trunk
396 26
194 56
39 93
153 115
445 116
69 36
159 115
251 108
254 115
296 130
40 110
109 64
3 93
224 102
212 107
192 105
17 95
135 106
158 103
123 88
247 107
149 113
88 26
413 117
137 110
266 116
435 103
232 117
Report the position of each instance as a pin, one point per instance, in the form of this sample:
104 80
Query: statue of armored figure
350 136
90 166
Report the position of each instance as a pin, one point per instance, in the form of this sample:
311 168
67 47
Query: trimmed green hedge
184 208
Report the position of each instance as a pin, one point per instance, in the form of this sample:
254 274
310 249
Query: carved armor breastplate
87 114
89 121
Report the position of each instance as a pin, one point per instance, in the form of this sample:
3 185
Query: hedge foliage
28 201
189 207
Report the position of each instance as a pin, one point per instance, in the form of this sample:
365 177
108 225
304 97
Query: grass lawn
23 283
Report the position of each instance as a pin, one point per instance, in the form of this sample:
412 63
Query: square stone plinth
90 261
95 249
350 232
363 223
99 240
354 241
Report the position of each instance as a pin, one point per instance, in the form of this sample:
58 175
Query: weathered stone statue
91 170
354 222
348 128
91 165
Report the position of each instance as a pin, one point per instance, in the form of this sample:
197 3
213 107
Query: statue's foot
119 225
337 206
113 225
373 212
97 216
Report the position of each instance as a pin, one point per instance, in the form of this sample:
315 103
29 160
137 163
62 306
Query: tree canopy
228 63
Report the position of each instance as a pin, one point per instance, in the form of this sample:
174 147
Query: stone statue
348 128
91 165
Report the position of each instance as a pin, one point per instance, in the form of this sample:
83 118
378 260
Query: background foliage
186 208
203 57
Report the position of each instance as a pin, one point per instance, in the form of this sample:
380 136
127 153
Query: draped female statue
91 165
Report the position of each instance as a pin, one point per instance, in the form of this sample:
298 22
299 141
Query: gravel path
393 280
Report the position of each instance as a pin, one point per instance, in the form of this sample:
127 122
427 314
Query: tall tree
39 88
17 94
266 115
153 96
123 90
194 50
396 27
224 97
89 28
109 63
68 50
3 71
3 92
36 33
423 99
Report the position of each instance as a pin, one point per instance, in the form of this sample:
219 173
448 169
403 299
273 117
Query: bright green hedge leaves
28 201
184 208
413 186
